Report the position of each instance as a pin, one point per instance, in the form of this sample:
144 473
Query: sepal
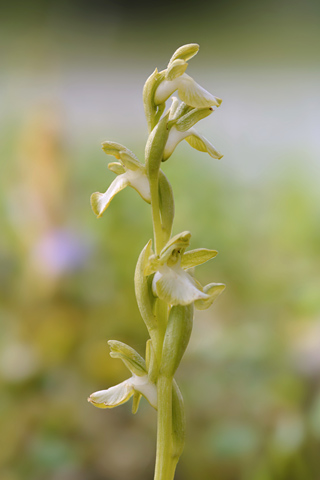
152 111
117 168
191 118
132 360
193 258
186 52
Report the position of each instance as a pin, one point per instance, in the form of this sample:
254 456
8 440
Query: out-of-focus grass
251 373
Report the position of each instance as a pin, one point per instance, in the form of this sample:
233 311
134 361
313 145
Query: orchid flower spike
183 119
130 172
137 385
172 283
175 78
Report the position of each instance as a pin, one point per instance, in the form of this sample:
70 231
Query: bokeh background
71 76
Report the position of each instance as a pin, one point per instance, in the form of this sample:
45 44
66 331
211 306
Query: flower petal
113 396
199 142
213 290
175 286
193 258
101 201
139 181
130 161
146 388
194 95
165 89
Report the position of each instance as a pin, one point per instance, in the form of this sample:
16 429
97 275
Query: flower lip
121 393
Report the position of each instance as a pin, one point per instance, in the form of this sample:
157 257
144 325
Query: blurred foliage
251 375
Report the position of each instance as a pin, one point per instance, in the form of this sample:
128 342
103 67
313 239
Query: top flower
161 85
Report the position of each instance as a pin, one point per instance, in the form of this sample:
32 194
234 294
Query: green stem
156 217
164 462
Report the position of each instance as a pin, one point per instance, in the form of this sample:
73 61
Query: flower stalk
165 288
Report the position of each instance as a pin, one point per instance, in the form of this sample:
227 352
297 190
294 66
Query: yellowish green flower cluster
165 287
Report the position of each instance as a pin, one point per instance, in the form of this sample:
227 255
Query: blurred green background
71 76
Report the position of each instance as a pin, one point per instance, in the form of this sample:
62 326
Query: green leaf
193 258
176 338
114 148
130 161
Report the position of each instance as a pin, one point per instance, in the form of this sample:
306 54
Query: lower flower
119 394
